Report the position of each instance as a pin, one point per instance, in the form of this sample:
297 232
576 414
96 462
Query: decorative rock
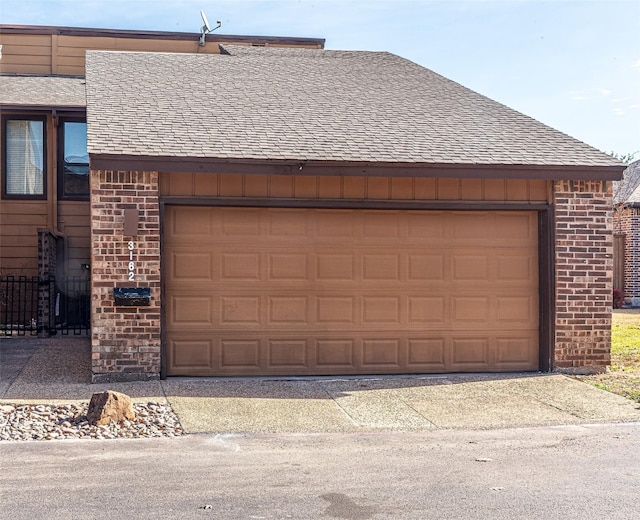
109 406
22 423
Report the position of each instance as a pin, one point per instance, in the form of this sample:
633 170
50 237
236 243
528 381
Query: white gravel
69 421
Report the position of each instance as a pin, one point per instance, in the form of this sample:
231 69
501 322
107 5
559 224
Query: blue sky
572 64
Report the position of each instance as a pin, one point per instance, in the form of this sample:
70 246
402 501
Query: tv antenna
206 28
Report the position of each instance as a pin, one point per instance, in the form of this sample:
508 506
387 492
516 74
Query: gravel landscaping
69 421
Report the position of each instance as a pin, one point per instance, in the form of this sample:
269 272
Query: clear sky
572 64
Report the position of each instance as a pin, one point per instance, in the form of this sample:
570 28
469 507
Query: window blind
25 157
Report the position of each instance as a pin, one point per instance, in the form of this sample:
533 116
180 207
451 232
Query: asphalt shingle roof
42 91
300 104
628 190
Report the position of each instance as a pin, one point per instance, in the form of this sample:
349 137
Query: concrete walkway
57 370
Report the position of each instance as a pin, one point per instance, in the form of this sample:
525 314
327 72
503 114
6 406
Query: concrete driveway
56 370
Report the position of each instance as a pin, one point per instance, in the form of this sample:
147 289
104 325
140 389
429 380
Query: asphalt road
568 472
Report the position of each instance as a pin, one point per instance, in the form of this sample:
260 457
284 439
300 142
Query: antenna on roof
206 28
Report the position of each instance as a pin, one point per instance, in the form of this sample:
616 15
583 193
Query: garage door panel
190 265
235 266
240 310
188 310
246 354
187 355
516 268
380 267
426 225
514 352
516 311
426 310
426 268
380 225
470 353
470 268
239 354
468 309
518 227
287 353
335 266
334 354
367 312
288 310
471 226
287 224
307 291
286 266
381 353
378 310
188 223
237 223
333 225
336 310
427 354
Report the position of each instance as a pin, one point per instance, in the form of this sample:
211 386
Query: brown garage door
251 291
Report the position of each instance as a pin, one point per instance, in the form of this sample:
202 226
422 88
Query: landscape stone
108 406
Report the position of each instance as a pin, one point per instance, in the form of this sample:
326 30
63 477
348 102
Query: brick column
125 341
584 275
47 264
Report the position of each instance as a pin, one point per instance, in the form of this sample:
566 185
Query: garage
305 211
316 291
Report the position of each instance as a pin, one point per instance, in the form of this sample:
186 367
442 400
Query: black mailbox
132 296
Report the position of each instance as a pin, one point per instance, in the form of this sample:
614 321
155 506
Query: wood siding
26 53
74 222
64 54
19 223
380 188
20 219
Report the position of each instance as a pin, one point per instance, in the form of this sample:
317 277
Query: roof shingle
42 91
315 105
628 189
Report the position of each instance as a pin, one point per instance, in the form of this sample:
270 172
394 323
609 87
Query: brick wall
627 222
584 275
125 341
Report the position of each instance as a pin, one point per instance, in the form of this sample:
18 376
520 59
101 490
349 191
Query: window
73 160
24 165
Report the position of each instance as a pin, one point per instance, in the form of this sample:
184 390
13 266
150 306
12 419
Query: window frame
60 160
45 156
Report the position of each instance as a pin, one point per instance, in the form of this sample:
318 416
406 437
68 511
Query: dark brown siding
26 53
19 222
381 188
29 53
73 221
20 219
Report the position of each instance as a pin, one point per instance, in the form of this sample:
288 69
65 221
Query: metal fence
33 305
19 305
72 306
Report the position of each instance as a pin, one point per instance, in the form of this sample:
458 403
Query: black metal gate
72 306
33 305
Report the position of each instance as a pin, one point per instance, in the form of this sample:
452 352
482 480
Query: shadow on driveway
57 370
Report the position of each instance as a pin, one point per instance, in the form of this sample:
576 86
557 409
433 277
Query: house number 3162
132 265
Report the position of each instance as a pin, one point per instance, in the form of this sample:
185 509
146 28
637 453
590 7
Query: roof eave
165 35
345 168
